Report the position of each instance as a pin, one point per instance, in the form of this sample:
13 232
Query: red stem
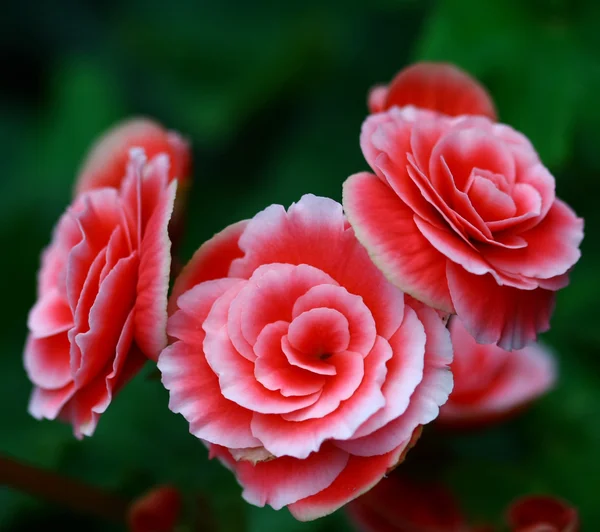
67 492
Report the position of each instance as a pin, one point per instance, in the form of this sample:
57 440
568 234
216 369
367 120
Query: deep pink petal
236 373
50 315
359 475
490 202
211 261
319 331
270 294
440 87
405 372
114 301
107 160
194 306
300 438
153 278
273 370
503 315
47 361
552 246
285 480
361 325
47 404
298 359
490 383
350 370
386 227
195 393
315 232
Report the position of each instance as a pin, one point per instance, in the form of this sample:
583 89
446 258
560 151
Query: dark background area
272 97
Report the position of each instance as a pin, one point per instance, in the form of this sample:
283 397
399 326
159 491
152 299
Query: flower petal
440 87
503 315
385 226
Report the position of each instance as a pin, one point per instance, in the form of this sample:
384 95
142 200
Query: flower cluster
307 347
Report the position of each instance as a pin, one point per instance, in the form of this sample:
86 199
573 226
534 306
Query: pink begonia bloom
438 87
542 513
297 362
102 295
491 384
155 511
402 504
461 213
106 163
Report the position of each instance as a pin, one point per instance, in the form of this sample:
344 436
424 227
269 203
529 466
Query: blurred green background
272 96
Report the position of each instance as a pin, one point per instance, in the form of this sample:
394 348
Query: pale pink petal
376 98
153 279
47 361
195 393
440 87
552 246
361 325
359 475
286 480
385 226
498 314
300 438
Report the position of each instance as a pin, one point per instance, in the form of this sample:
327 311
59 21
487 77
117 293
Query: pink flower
303 369
491 384
401 504
542 513
155 511
102 295
461 213
438 87
107 161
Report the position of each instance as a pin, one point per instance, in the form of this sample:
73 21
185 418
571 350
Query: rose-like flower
106 163
491 384
462 215
155 511
402 504
440 87
299 364
102 295
542 513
